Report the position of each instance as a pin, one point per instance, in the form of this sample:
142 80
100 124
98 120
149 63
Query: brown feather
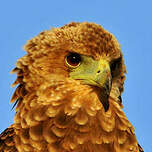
57 114
7 143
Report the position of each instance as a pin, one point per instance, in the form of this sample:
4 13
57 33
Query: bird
68 94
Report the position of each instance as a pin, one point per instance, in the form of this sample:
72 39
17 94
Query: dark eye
73 60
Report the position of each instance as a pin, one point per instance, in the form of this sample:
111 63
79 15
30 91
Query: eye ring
73 60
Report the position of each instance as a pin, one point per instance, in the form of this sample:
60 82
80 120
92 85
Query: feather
58 113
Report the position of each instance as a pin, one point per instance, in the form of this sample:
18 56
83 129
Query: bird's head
82 54
69 92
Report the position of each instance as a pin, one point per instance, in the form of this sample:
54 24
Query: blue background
129 20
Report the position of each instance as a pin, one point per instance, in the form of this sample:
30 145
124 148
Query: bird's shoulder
7 143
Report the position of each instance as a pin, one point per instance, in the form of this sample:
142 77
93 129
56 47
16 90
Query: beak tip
106 107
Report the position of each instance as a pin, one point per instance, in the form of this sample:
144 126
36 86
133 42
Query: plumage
64 106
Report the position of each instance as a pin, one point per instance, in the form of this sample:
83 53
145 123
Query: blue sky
129 20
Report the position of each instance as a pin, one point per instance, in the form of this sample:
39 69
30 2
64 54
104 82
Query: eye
73 60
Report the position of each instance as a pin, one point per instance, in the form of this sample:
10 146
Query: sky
129 20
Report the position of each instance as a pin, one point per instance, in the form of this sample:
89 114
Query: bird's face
88 71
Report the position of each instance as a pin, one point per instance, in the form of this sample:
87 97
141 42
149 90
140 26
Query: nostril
98 71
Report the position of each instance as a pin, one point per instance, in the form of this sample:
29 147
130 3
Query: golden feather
55 113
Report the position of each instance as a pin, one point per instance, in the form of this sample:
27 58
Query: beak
98 74
101 77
